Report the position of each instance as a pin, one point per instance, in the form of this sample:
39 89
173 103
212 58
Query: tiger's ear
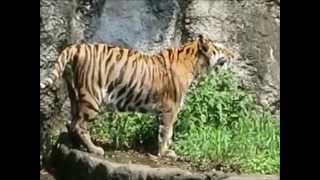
202 44
200 38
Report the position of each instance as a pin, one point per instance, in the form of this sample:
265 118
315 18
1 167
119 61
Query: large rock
74 164
252 29
69 163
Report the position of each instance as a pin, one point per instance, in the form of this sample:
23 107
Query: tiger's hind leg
79 129
82 115
82 111
74 113
74 102
167 120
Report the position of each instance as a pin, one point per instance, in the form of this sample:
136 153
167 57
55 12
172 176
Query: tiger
126 80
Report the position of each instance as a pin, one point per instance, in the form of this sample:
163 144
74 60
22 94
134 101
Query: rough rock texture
74 164
53 34
61 22
145 25
251 27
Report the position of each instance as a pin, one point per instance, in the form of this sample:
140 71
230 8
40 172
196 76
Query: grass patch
219 122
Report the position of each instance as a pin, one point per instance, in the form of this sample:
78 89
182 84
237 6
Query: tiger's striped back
124 79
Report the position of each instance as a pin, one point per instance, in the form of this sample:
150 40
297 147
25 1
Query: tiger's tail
66 56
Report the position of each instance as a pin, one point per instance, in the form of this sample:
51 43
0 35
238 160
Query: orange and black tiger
126 80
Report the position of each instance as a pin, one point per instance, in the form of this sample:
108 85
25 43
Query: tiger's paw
169 154
97 150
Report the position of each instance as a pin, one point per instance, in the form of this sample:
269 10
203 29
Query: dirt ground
186 163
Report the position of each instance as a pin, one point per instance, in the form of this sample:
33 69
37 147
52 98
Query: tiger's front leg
167 120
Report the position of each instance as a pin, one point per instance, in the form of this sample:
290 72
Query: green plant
125 129
220 122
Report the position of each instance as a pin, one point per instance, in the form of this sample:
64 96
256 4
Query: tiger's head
214 53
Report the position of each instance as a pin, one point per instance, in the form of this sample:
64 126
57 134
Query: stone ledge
72 164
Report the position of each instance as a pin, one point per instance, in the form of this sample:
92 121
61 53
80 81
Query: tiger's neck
184 66
189 62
